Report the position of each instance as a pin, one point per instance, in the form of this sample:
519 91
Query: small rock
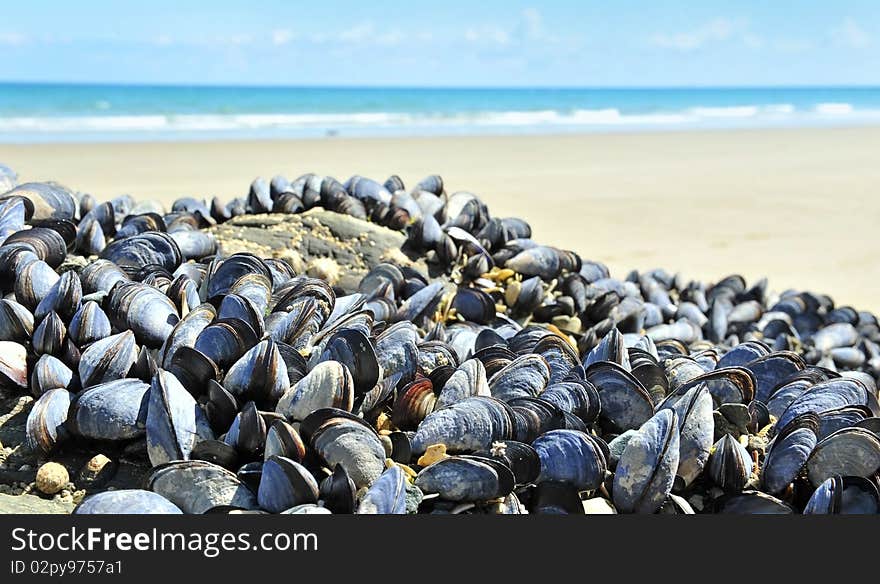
433 453
97 471
599 506
51 478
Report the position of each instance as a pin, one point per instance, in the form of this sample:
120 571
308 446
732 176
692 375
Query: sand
800 206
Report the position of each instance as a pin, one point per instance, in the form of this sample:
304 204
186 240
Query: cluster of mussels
512 378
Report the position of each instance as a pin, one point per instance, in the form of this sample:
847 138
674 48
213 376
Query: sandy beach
799 206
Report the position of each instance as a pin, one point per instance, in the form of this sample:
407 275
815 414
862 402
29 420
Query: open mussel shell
260 374
646 469
788 453
626 404
285 483
387 495
460 478
848 452
570 456
844 496
469 425
730 465
338 492
696 431
13 365
116 410
218 487
175 422
108 359
45 426
328 385
127 502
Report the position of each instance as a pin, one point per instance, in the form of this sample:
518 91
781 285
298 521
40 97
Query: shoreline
797 205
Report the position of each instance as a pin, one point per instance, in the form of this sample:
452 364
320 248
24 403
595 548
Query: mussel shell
847 452
285 483
327 385
570 456
730 465
108 359
844 496
45 426
127 502
646 469
457 478
175 422
260 374
218 487
353 445
387 495
337 492
116 410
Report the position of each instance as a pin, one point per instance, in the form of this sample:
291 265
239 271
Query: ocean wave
364 122
834 108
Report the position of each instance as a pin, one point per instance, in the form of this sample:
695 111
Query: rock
354 246
29 504
599 506
51 478
97 471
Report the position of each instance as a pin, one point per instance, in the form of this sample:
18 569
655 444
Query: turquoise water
50 112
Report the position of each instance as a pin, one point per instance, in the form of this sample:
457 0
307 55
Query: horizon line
209 85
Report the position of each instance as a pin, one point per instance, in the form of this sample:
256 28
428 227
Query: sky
553 43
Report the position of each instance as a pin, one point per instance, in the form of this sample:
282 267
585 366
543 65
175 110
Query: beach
799 206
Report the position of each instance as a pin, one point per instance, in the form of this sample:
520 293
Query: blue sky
453 43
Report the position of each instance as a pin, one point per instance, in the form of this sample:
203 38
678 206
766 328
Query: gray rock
355 245
20 504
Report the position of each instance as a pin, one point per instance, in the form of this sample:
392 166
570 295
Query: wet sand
800 206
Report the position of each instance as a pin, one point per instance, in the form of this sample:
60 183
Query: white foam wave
835 108
365 122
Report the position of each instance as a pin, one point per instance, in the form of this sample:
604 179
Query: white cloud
281 37
851 34
163 40
12 39
359 33
718 30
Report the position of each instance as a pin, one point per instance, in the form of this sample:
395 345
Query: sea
44 112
